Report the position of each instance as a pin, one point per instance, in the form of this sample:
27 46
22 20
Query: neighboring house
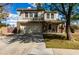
5 30
38 21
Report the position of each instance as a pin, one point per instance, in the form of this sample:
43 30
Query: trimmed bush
54 36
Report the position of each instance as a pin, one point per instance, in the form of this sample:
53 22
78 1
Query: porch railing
32 18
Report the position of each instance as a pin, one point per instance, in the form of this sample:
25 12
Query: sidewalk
65 51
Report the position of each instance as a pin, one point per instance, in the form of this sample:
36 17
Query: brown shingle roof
25 9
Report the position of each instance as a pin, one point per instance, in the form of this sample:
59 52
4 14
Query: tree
67 10
75 17
3 15
39 6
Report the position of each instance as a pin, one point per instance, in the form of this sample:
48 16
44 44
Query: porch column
18 27
33 15
28 15
45 16
47 30
58 29
50 15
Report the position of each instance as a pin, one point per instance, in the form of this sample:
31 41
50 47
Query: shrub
72 29
75 27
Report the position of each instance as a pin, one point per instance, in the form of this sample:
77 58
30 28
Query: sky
13 14
13 6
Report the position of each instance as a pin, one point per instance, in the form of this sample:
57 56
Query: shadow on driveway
26 38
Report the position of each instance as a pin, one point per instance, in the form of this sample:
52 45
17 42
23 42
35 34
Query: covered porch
53 27
41 26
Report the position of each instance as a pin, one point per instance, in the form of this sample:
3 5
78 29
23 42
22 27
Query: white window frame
48 17
30 15
27 14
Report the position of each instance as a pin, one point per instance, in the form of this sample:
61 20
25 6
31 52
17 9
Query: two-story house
38 21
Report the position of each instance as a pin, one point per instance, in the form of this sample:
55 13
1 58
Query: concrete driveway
34 47
31 48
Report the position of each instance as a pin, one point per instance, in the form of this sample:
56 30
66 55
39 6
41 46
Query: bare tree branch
71 6
58 9
63 8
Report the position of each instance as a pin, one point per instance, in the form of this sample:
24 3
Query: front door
51 28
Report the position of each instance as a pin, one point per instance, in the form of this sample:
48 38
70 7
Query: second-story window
31 14
52 16
48 15
35 14
26 14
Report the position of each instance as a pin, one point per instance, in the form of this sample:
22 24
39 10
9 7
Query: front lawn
63 43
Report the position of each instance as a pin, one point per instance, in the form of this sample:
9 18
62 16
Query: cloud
12 19
29 7
13 15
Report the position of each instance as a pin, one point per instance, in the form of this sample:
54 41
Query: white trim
50 15
45 15
28 15
33 15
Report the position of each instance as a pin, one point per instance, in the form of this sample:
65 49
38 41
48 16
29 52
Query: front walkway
31 48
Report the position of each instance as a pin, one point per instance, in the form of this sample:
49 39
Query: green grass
58 43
